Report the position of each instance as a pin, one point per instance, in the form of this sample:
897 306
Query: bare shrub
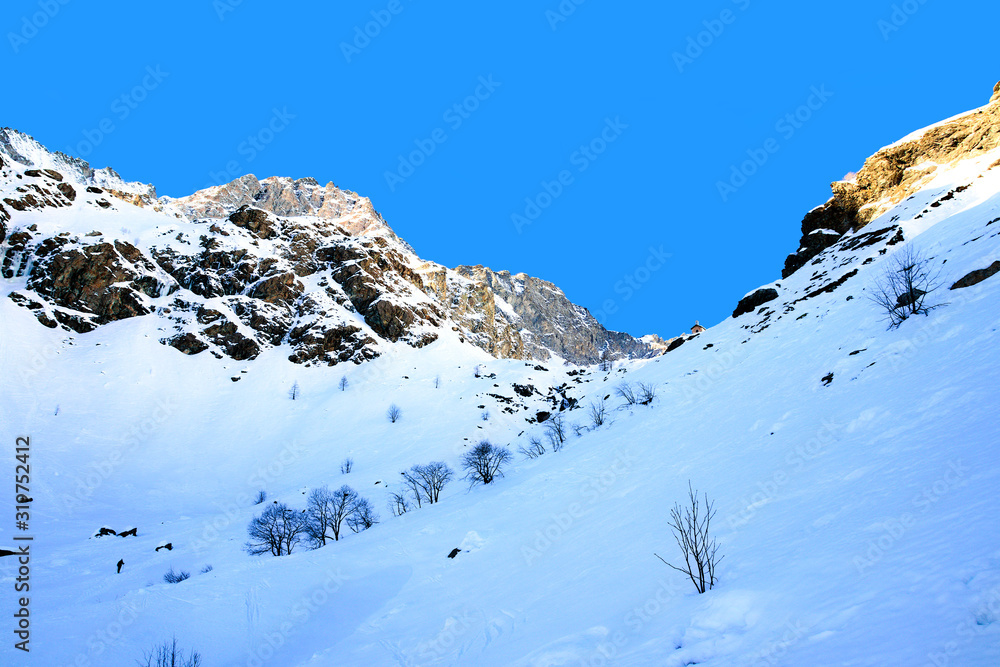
579 429
555 430
627 392
534 449
902 288
691 527
168 655
363 516
398 503
598 414
646 393
485 416
172 577
207 569
327 511
347 466
294 392
393 413
260 498
437 381
427 481
276 531
484 462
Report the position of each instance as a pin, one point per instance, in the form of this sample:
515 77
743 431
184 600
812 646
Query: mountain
254 264
852 462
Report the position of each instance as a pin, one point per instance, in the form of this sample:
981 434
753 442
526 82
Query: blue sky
582 142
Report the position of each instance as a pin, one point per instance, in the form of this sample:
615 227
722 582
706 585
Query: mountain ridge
281 262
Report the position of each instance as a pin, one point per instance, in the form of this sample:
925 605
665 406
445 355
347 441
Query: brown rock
977 276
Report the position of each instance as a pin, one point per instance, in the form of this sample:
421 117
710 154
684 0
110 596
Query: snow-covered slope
854 470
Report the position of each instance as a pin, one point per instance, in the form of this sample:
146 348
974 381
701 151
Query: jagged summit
252 265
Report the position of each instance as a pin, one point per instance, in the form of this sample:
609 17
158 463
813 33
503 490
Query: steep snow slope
857 515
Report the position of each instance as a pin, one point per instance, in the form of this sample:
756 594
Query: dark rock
187 343
254 220
750 303
977 276
454 552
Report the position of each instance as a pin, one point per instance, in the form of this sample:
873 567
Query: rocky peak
893 174
549 323
287 197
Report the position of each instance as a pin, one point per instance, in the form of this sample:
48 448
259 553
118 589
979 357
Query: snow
858 520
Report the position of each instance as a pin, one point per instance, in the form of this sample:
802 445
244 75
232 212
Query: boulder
750 303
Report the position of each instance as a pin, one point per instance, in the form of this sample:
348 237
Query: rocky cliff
257 264
894 174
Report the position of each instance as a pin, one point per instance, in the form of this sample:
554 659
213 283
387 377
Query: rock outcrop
892 175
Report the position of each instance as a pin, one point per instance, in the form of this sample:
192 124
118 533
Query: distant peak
996 94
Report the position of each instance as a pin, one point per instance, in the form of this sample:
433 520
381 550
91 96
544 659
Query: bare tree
293 393
428 480
534 449
261 497
276 531
327 512
606 363
484 462
363 517
902 289
627 392
691 527
646 394
393 413
398 503
598 414
168 655
343 383
555 429
347 466
437 381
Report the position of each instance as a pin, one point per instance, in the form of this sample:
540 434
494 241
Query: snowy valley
151 349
